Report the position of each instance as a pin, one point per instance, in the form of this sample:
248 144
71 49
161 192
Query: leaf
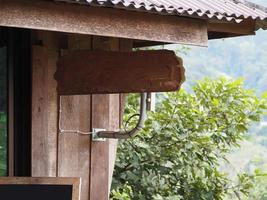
264 95
178 154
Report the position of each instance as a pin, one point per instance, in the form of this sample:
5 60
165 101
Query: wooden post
44 104
74 149
70 154
105 114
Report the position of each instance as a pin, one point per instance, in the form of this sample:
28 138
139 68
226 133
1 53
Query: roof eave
261 24
73 18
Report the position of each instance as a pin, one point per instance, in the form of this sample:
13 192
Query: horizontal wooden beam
89 72
247 27
82 19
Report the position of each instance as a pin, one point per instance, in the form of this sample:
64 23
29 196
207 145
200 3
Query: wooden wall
69 154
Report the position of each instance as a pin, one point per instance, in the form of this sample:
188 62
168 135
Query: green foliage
123 193
178 153
3 107
3 144
259 190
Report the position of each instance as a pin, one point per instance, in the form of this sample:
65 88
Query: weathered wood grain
74 149
126 45
48 15
95 72
67 154
99 170
105 114
246 27
114 124
39 112
44 105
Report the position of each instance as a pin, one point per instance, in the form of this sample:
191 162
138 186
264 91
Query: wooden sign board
90 72
12 188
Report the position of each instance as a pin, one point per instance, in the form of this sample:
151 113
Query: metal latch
95 137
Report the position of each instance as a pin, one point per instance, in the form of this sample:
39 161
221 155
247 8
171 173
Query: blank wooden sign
92 72
39 188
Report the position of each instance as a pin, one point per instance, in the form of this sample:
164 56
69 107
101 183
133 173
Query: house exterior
36 34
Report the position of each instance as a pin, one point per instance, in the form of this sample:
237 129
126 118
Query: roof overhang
72 18
145 28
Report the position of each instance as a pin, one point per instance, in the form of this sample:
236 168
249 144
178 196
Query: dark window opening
20 44
15 102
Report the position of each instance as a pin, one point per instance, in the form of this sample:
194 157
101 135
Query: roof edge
253 5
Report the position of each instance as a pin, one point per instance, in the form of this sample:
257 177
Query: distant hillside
248 157
236 57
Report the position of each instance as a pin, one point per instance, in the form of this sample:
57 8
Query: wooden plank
114 124
99 180
74 149
105 114
39 180
90 72
48 15
126 45
117 105
44 106
247 27
39 113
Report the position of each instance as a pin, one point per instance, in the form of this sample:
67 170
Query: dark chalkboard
36 192
39 189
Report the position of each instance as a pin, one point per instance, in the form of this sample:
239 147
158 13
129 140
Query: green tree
259 189
3 144
178 153
3 108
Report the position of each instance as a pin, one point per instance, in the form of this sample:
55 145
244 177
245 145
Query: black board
36 192
29 188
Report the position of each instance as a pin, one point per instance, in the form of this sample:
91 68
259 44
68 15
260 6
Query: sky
261 2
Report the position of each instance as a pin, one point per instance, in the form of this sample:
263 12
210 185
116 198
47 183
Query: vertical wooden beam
117 105
99 169
44 105
125 46
74 149
69 154
105 114
114 124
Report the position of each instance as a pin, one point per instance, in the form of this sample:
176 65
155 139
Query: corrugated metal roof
229 10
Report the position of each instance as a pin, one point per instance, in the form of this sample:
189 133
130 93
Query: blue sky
262 2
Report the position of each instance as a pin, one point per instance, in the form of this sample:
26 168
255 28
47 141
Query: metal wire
61 130
112 134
